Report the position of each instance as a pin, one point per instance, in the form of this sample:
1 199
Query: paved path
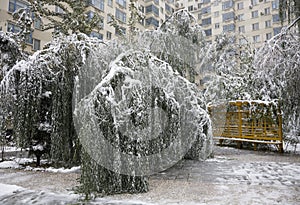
233 177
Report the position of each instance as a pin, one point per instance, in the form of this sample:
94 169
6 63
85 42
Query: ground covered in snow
234 176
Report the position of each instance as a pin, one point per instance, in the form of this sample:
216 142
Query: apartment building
36 39
254 21
154 12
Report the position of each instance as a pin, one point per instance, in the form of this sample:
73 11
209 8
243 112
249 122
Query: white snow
63 170
54 170
9 189
47 94
233 177
9 164
38 147
11 149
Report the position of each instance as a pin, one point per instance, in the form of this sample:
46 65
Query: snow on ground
7 189
234 176
11 149
54 170
9 164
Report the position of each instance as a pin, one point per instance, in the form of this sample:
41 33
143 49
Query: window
242 41
227 5
276 30
267 11
240 5
255 26
229 27
275 4
254 14
110 3
168 8
206 1
121 3
153 9
228 16
216 13
152 21
217 25
208 32
37 23
16 29
206 21
36 44
256 39
14 5
190 8
199 16
120 31
13 28
96 35
240 17
99 4
121 15
108 35
253 2
242 29
59 10
268 36
109 18
268 24
216 3
275 18
206 10
90 16
199 5
142 21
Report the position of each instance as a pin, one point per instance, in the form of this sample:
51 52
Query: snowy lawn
233 177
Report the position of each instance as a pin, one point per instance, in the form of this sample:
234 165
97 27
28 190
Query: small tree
24 21
10 54
228 70
71 16
278 65
178 41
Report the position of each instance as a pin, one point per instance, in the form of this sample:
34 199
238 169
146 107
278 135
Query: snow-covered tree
278 77
9 56
150 117
178 41
289 10
24 21
227 70
68 16
162 51
41 90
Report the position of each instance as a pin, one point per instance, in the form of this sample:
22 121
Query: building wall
37 39
253 20
154 11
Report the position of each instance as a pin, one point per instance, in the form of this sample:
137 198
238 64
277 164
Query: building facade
36 39
254 21
154 12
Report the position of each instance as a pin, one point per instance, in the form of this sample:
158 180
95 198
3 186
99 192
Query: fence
248 121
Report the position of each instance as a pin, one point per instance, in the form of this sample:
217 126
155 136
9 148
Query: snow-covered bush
9 56
178 41
140 119
278 77
227 70
41 89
